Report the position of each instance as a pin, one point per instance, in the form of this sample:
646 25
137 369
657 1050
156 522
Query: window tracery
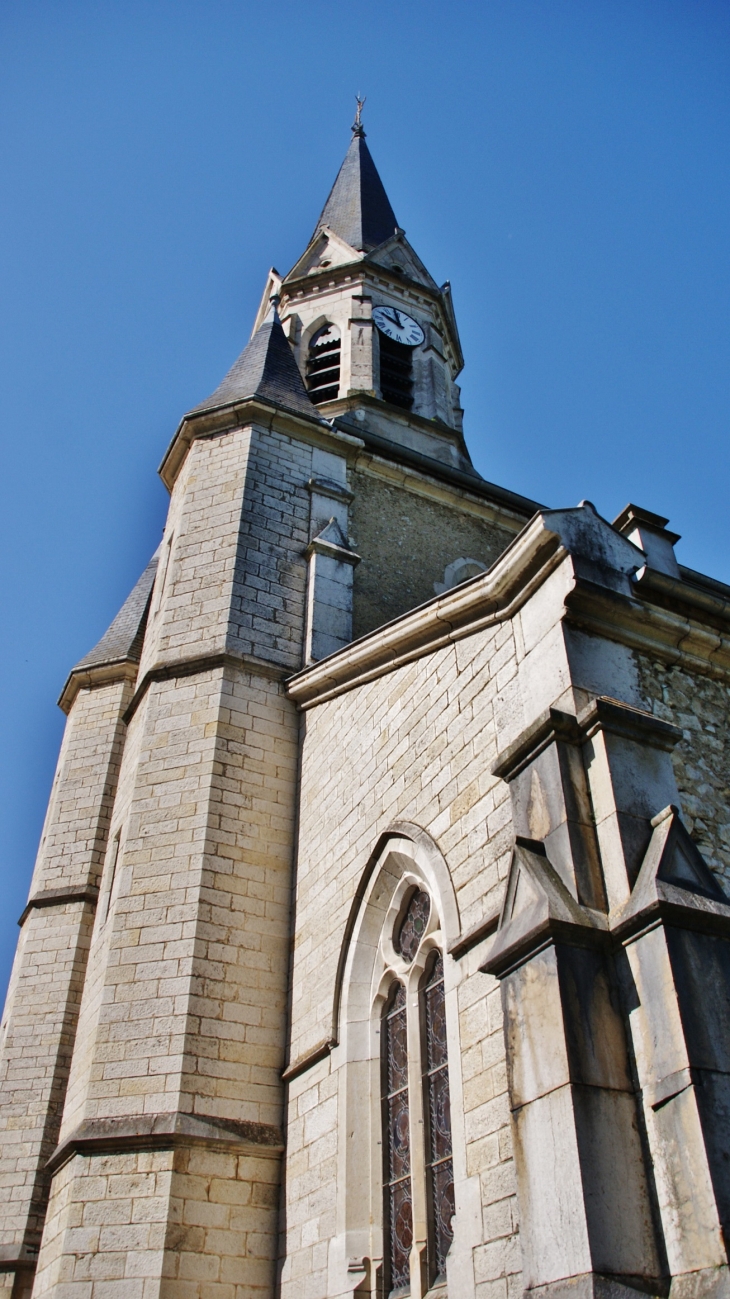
413 925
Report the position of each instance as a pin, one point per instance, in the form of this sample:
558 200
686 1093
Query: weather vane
357 124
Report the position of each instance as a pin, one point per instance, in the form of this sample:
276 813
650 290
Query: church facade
379 937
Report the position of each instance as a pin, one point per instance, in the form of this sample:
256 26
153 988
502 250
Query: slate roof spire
266 368
358 208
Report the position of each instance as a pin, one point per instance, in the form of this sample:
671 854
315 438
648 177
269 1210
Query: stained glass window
397 1145
413 925
439 1166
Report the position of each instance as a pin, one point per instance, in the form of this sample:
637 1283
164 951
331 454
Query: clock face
398 326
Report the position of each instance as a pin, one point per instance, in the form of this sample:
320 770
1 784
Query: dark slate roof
124 638
266 368
358 208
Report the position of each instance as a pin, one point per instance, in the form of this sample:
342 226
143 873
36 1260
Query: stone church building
378 941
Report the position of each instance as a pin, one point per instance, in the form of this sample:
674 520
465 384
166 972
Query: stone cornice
667 634
190 667
520 506
170 1131
60 898
241 414
101 674
481 602
625 611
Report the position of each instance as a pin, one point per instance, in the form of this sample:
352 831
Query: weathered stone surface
701 707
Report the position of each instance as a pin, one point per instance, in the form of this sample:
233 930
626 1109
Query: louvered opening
396 372
323 365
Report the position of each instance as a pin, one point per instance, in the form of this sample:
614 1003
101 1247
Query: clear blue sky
565 163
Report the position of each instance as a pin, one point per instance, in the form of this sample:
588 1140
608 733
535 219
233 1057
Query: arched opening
323 365
403 1160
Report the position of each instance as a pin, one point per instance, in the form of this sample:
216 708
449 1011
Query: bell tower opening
396 372
323 365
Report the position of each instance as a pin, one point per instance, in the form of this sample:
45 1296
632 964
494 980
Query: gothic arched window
323 365
397 1144
434 1200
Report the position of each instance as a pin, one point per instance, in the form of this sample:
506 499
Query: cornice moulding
651 629
101 674
191 666
498 594
168 1131
243 414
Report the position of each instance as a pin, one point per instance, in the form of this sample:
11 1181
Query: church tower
322 489
378 942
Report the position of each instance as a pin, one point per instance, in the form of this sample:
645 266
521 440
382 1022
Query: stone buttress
41 1012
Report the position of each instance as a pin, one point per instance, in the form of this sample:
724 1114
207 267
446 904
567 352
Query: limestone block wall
235 576
40 1018
700 705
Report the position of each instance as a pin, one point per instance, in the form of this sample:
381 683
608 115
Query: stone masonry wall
184 1009
701 706
406 541
236 576
40 1018
415 745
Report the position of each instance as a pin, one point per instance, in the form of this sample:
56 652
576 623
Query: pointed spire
358 208
266 368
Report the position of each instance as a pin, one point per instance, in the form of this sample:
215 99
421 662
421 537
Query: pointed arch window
427 1035
323 365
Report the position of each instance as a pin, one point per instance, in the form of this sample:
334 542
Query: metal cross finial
357 124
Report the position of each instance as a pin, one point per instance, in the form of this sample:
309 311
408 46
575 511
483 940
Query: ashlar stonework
379 937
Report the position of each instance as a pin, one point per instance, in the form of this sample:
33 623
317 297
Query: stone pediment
325 249
397 254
